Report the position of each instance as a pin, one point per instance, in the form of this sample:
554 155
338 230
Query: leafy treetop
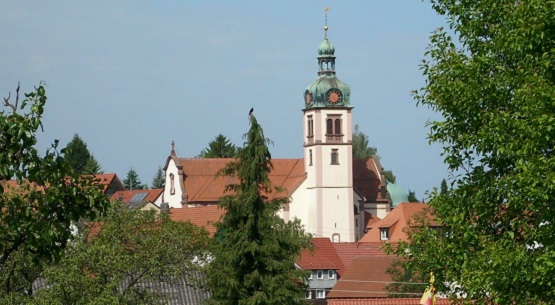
495 90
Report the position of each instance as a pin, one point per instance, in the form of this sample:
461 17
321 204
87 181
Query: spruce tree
132 181
92 166
77 154
159 179
220 147
255 250
443 189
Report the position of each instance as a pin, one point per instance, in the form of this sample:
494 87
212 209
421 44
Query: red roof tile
322 257
349 251
203 216
125 196
398 219
366 277
366 179
201 184
383 301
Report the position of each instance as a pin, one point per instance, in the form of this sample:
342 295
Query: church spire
327 90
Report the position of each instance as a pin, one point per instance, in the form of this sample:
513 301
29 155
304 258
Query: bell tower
327 122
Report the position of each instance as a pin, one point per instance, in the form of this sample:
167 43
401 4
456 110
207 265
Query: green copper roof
326 48
397 194
327 90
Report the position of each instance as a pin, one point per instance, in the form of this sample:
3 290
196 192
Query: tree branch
7 99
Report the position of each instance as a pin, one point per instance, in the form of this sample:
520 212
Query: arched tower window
333 129
310 130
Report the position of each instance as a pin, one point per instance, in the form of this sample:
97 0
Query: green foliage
361 145
255 250
495 91
220 147
159 179
389 176
92 167
405 282
77 154
412 196
443 188
132 181
40 205
132 249
363 150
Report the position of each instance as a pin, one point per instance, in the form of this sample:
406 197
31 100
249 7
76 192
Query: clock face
307 97
334 96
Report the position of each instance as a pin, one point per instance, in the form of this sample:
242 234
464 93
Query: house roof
383 301
398 219
107 180
347 252
370 219
322 257
137 195
366 179
203 216
366 277
201 184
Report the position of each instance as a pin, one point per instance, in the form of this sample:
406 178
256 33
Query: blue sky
131 76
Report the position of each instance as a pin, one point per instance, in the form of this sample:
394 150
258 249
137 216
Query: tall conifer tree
255 250
77 154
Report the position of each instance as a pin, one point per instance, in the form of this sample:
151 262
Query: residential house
392 228
140 199
323 265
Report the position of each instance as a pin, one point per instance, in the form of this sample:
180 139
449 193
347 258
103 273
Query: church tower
328 150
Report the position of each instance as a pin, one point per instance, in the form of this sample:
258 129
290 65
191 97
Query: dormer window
384 233
331 274
320 274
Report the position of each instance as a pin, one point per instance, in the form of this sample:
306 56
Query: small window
320 274
320 294
331 274
172 184
310 158
308 295
309 275
384 234
334 157
329 127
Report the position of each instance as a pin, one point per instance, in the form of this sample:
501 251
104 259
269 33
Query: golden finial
326 9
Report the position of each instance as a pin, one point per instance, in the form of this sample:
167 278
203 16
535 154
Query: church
333 194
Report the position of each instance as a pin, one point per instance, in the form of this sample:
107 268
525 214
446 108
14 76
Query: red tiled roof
201 184
107 180
370 219
398 219
203 216
366 277
383 301
125 196
322 257
349 251
366 179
